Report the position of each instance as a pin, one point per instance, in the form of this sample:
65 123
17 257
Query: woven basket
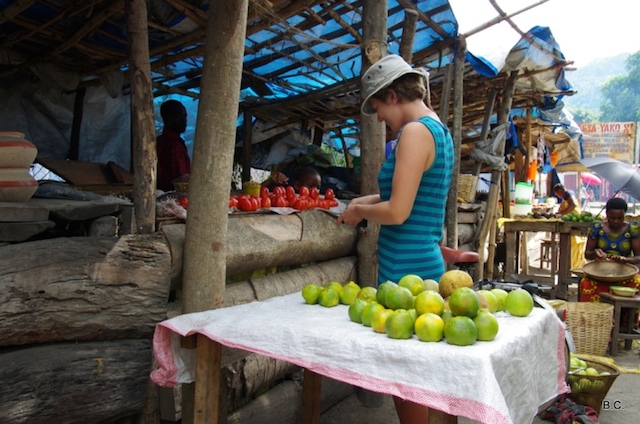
598 387
467 187
590 325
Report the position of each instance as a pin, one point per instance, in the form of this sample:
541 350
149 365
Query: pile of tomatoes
282 197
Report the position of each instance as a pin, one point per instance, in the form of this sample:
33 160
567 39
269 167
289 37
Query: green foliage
621 94
581 115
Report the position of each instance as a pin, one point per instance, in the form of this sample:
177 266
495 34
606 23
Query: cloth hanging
486 150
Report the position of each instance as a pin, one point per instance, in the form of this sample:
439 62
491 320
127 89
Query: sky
584 29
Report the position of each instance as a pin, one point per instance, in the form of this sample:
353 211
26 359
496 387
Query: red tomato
299 204
328 194
233 202
266 202
304 191
313 203
333 203
290 191
279 191
184 202
324 204
314 193
280 202
264 191
244 204
258 199
255 203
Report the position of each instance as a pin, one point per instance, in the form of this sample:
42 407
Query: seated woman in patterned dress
613 239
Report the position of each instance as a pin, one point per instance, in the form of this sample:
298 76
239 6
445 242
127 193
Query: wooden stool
619 302
545 252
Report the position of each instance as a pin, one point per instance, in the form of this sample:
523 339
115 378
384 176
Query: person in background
584 197
414 183
568 203
614 239
173 157
305 176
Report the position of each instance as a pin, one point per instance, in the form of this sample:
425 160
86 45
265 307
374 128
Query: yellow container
251 188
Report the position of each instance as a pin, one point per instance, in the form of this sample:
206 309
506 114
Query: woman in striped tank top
414 183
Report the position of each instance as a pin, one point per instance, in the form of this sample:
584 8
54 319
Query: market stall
503 381
560 231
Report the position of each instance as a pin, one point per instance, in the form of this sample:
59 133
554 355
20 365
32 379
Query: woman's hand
351 215
600 255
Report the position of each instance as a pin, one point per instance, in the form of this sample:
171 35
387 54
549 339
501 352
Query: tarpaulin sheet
502 381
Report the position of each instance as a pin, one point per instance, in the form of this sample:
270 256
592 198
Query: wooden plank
77 210
77 172
22 212
22 231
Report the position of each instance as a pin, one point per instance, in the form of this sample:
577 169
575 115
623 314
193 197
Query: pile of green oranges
415 306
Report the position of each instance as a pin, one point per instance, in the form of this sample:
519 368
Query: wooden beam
143 130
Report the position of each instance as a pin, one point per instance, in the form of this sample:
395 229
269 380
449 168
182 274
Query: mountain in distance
588 79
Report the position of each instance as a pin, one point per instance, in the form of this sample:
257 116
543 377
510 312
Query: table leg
439 417
630 319
311 386
616 329
206 405
512 255
564 266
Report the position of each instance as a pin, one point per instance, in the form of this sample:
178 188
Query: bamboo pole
207 221
494 190
372 137
143 131
452 199
408 34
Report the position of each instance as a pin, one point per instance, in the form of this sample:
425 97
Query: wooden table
560 252
620 302
483 382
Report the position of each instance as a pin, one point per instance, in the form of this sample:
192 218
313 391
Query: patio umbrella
590 179
625 178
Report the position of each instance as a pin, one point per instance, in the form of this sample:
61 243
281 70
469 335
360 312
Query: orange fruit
501 295
349 293
429 301
383 289
399 298
464 302
429 327
452 280
447 315
310 293
488 300
355 310
367 293
413 282
460 331
519 303
367 312
334 285
378 320
328 297
399 325
487 325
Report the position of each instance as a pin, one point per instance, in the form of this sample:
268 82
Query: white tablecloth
502 381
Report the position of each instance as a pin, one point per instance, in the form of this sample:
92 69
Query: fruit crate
590 390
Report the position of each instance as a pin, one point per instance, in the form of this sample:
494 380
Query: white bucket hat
381 74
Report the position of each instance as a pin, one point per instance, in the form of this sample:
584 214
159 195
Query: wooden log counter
560 231
84 310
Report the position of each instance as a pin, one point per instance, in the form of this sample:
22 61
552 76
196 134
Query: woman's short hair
559 186
616 204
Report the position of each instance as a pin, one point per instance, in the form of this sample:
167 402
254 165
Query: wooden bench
620 302
546 252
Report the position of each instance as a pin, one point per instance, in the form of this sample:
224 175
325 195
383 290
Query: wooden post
372 137
247 145
494 189
445 97
143 131
78 109
452 199
408 34
207 221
